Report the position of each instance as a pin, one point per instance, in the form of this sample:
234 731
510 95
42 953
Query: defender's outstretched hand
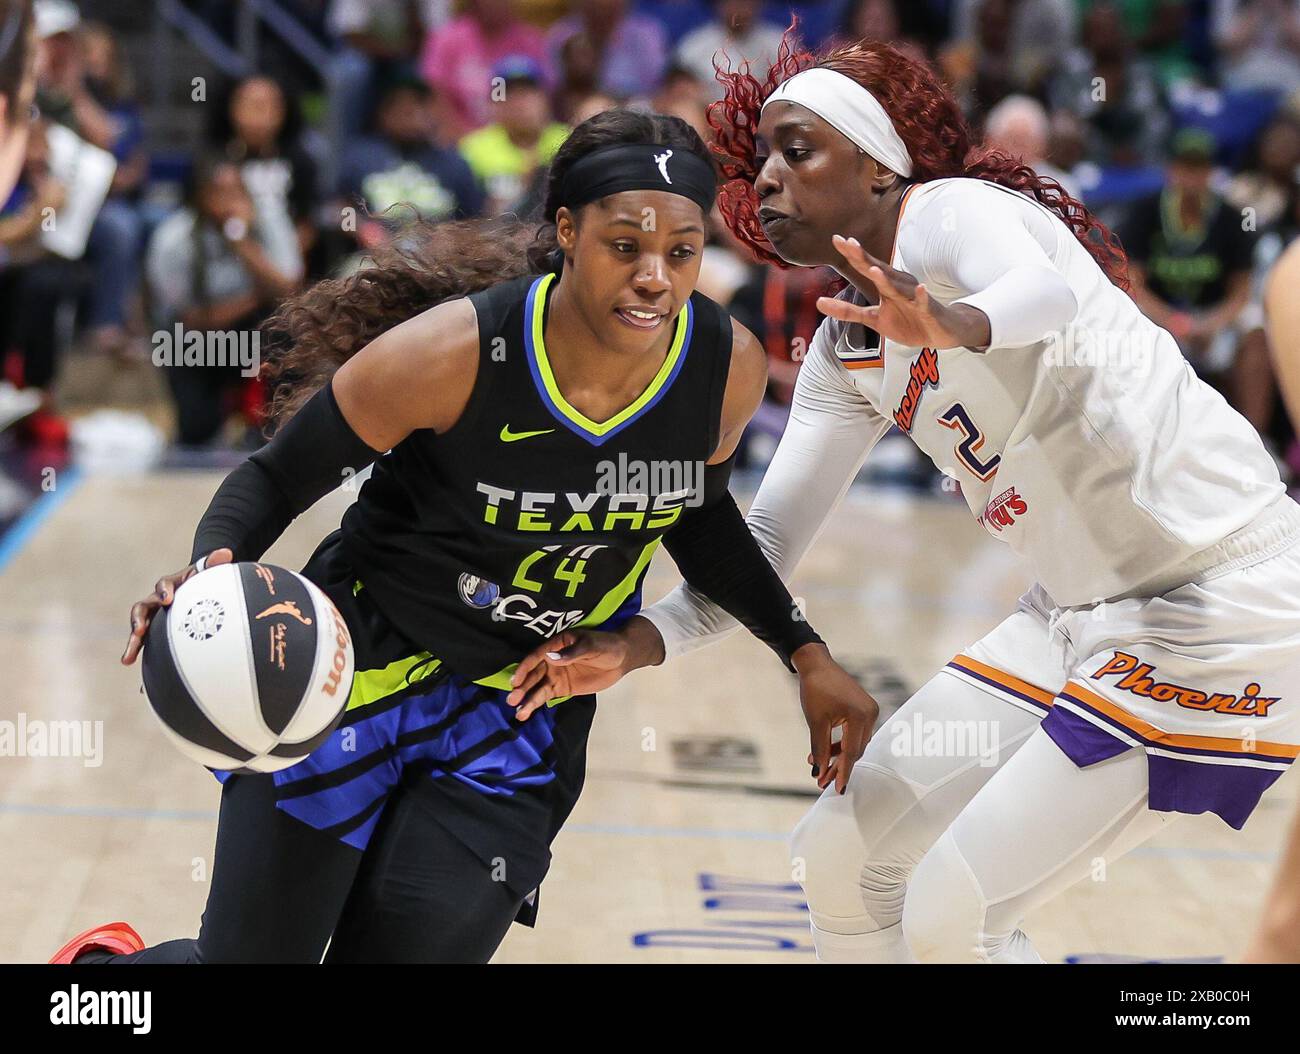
905 313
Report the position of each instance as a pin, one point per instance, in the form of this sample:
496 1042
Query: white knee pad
854 882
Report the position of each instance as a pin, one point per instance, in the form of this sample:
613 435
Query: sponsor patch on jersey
1004 510
478 592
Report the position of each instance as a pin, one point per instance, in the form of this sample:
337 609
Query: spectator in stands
736 34
579 75
380 42
33 284
63 92
1190 259
1019 127
93 101
505 154
1037 34
1258 43
779 306
217 265
683 95
1114 91
1160 31
1268 176
17 95
459 58
17 88
881 20
632 49
589 106
678 17
258 128
981 69
117 238
403 164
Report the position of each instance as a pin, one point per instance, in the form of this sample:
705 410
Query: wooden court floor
677 850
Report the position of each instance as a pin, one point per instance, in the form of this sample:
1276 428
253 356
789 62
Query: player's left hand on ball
831 699
575 662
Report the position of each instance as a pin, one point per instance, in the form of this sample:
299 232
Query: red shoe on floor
115 937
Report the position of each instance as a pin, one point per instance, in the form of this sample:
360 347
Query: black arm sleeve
717 555
310 456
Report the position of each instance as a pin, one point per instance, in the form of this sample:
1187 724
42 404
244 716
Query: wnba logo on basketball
478 592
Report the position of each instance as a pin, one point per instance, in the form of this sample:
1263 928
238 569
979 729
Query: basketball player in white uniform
1152 670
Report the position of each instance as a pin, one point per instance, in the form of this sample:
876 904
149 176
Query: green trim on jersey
370 686
609 603
537 348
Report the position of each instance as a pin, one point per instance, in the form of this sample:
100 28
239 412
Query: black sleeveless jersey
526 518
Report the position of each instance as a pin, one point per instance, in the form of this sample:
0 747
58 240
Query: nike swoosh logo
508 436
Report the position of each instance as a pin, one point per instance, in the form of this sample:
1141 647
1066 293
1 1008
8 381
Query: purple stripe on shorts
1083 742
1231 792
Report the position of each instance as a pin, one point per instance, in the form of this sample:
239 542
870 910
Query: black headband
639 166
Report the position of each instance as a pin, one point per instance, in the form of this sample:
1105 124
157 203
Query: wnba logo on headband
662 161
638 166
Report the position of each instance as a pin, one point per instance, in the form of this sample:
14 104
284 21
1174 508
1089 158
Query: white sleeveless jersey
1081 438
1095 452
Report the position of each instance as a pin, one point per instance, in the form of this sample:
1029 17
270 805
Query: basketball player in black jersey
553 416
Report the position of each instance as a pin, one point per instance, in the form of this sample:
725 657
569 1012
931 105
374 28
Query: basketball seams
195 697
323 640
250 664
171 667
275 678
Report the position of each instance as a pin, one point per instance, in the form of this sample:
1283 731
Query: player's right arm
419 374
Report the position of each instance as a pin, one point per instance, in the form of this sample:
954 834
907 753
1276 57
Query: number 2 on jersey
957 418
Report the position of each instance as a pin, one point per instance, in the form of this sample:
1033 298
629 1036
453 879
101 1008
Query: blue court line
119 812
31 521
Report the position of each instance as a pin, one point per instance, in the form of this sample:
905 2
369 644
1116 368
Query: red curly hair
927 119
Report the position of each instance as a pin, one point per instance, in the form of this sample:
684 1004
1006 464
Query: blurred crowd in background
1177 121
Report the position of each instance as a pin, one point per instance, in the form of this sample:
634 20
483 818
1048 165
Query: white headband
851 110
